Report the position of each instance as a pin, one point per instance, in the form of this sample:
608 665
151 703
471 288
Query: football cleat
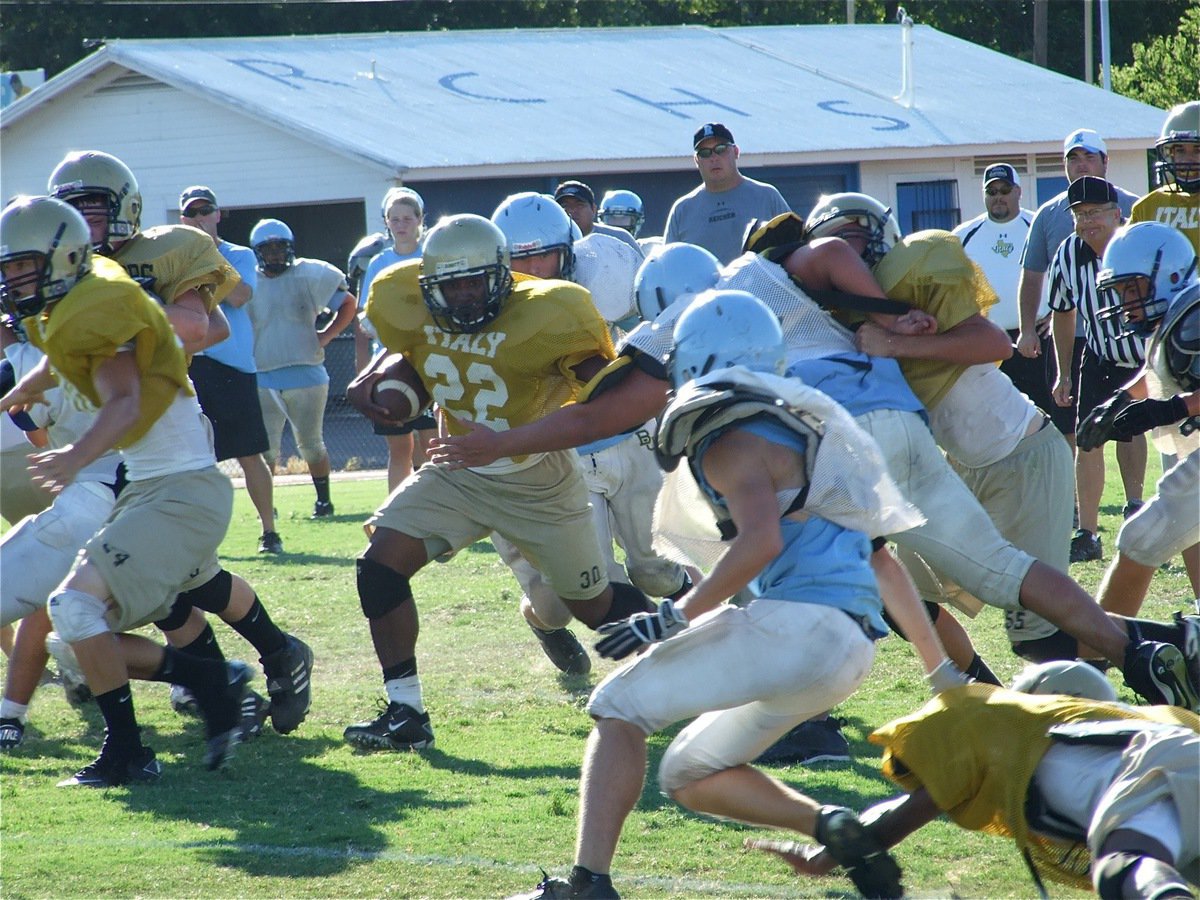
270 542
322 509
398 727
560 889
289 684
110 771
865 860
814 741
184 702
223 715
1190 625
564 650
12 734
254 714
1159 673
70 674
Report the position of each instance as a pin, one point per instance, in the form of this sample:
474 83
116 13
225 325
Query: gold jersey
930 271
1171 206
105 312
514 371
171 259
975 749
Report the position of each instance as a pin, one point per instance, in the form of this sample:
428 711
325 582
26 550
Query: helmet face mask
93 181
535 225
851 216
274 246
45 248
465 273
622 209
671 272
1181 127
723 328
1145 266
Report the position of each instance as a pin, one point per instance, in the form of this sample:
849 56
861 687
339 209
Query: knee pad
626 600
313 454
180 610
380 588
77 616
212 596
1120 875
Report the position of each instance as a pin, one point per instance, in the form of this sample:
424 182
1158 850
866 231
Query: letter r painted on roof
284 73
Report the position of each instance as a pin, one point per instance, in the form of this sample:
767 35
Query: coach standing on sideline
715 215
224 374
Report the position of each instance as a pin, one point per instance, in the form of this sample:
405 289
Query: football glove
945 677
639 630
1140 417
1097 427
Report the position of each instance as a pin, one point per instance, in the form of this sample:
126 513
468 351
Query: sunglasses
206 210
1087 215
719 149
999 192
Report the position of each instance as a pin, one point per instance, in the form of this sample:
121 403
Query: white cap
1087 139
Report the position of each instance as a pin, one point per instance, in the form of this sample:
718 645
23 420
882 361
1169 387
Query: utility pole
1040 23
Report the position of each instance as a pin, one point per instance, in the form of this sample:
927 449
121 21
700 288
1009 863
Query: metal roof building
314 129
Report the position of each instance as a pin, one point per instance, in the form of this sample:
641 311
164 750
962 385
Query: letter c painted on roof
450 83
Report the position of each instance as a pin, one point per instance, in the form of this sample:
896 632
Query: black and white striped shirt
1073 286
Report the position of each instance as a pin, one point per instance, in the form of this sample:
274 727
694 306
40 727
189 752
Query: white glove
946 676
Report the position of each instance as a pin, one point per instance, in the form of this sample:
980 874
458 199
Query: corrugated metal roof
435 100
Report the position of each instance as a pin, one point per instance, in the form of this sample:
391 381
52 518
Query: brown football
400 390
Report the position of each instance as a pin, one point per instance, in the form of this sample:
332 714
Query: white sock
11 709
405 690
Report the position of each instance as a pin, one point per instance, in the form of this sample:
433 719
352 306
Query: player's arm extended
194 325
118 384
972 341
637 398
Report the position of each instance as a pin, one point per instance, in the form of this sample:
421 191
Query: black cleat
111 771
270 542
1159 673
814 741
223 715
865 860
1086 547
564 650
289 684
398 727
12 734
322 509
254 713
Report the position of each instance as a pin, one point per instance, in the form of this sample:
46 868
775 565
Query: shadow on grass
289 816
286 559
468 766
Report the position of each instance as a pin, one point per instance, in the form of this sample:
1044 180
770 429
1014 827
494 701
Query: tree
1166 71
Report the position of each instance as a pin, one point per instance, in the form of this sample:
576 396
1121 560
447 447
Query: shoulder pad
774 237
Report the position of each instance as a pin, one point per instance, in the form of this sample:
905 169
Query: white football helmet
875 222
720 329
1069 677
622 209
272 231
671 272
1182 126
461 247
93 173
1158 252
362 254
56 239
535 224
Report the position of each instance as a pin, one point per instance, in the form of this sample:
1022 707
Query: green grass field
307 816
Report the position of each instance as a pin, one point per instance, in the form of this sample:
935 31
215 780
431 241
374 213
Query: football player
289 350
776 463
1096 794
112 348
622 209
497 348
1149 274
620 472
1177 201
181 266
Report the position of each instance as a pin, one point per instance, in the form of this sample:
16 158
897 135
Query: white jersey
996 248
1182 320
982 418
284 313
607 267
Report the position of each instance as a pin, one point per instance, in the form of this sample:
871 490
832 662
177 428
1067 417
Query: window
927 204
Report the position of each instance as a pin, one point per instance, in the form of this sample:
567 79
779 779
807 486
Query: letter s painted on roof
895 124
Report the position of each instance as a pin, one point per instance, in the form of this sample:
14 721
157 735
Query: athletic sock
11 709
979 670
403 685
322 486
205 646
581 878
257 628
1159 632
123 735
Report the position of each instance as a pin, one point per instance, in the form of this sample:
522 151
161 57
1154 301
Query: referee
1110 357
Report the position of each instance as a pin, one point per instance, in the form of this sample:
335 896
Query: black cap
1001 172
576 189
197 192
711 130
1090 189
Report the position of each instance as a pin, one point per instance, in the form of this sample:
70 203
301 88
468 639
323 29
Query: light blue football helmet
672 271
364 251
535 224
622 209
722 328
1156 251
271 231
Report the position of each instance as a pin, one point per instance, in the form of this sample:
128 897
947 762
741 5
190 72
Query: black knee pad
933 610
380 588
212 596
1059 645
626 601
1119 875
180 610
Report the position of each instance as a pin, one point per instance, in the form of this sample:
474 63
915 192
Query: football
400 390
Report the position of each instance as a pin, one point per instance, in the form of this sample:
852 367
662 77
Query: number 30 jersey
515 371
